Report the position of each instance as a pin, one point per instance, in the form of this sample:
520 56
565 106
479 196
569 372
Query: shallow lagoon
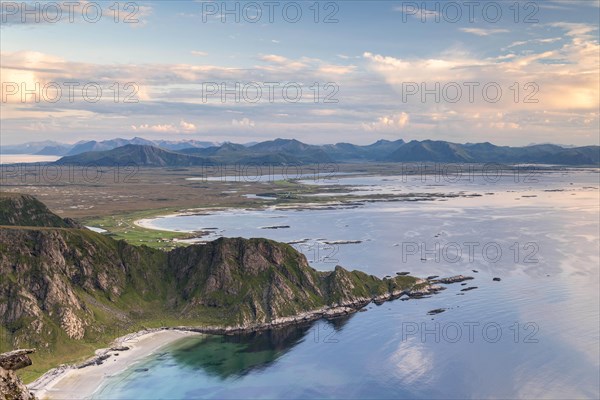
534 334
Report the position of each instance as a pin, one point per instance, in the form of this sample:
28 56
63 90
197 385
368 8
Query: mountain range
52 148
291 151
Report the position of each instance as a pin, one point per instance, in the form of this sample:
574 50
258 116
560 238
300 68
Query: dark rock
14 360
402 273
119 348
496 279
432 277
11 386
94 361
436 311
469 288
453 279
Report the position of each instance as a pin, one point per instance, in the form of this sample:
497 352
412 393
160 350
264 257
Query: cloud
155 82
566 76
532 41
243 123
283 61
324 112
199 53
162 128
273 58
394 122
483 32
565 69
561 77
187 126
578 31
330 69
184 127
308 64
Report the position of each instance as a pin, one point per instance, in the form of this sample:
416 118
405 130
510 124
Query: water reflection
234 356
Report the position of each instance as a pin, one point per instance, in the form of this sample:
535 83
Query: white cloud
162 128
483 32
199 53
562 77
307 64
330 69
243 123
273 58
565 69
579 31
567 76
536 41
324 112
187 126
283 61
183 127
393 122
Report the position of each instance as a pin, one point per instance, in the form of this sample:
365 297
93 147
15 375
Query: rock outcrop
11 387
452 279
63 286
25 210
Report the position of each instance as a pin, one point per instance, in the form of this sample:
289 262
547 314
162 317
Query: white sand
148 223
83 383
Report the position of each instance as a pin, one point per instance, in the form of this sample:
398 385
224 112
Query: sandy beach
81 383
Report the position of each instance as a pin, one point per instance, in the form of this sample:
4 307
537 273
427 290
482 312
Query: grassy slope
123 227
23 210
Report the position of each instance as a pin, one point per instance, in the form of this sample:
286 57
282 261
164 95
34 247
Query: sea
527 325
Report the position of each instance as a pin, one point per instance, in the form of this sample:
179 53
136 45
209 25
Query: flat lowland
113 198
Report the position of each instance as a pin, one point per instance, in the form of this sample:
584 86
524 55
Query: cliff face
255 280
61 282
66 286
11 387
25 210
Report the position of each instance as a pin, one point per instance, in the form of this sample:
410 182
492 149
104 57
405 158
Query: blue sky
371 64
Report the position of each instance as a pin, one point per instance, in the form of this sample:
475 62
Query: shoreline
82 380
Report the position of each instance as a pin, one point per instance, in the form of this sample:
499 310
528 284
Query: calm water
534 334
25 158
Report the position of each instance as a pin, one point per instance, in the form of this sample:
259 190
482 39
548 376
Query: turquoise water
534 334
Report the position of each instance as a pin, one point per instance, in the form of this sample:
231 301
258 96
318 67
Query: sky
506 72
